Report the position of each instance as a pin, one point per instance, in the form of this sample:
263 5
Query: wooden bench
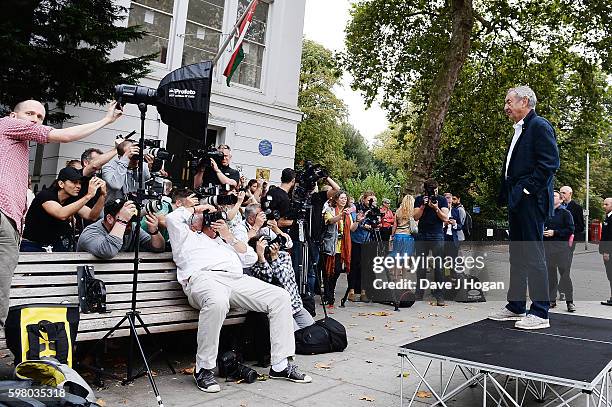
52 278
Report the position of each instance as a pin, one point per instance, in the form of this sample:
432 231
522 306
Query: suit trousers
214 292
527 259
559 260
608 265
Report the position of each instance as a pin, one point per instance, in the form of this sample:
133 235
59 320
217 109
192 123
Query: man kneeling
209 262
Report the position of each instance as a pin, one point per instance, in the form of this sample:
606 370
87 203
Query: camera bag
324 336
34 331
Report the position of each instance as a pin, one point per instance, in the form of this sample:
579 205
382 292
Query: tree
320 136
356 150
58 52
419 55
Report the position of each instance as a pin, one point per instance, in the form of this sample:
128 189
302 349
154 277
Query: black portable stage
572 360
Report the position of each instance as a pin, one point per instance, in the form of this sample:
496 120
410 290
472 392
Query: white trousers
214 292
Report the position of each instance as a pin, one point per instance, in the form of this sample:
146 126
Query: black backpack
324 336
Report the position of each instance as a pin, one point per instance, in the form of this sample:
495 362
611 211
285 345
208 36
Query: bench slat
83 256
72 268
21 280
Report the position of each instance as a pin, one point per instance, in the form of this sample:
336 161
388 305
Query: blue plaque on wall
265 147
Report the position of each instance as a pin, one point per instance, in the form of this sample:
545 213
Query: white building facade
260 104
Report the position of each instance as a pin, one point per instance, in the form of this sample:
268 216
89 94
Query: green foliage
320 136
58 52
380 183
356 150
562 49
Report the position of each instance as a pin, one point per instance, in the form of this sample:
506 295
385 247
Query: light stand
133 316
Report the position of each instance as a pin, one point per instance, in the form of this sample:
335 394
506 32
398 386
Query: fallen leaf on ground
101 402
363 314
423 394
400 320
366 398
370 338
243 404
188 370
406 374
381 313
262 377
320 365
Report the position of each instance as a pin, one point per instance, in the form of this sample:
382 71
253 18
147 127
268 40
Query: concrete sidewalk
365 374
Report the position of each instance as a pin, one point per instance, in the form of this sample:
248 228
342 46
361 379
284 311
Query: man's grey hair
566 188
251 210
524 91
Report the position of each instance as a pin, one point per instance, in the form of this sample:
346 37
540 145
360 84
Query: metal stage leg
420 383
430 387
402 381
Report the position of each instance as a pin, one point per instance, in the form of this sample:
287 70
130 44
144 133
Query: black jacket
533 164
605 245
576 211
562 223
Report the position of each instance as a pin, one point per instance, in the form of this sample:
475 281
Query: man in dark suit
527 189
605 245
577 215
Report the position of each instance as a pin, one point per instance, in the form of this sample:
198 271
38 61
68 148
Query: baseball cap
69 174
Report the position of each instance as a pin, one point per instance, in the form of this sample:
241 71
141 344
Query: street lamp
397 188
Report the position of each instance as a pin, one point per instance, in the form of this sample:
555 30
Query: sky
324 23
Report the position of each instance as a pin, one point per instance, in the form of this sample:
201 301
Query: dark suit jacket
576 211
533 164
605 245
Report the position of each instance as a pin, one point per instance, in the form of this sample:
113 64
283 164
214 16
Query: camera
211 217
429 195
200 157
231 368
280 239
272 214
215 195
373 215
159 153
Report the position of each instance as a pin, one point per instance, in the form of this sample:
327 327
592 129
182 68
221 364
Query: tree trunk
443 85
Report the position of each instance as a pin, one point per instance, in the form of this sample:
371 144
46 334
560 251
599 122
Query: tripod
132 316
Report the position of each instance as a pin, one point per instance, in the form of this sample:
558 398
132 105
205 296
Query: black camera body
429 195
210 217
215 195
272 214
230 367
92 291
373 215
201 157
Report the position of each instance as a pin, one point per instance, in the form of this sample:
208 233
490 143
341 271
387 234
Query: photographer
121 173
360 236
277 198
48 221
431 211
317 202
274 266
115 233
256 224
209 261
217 173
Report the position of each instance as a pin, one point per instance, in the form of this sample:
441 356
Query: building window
155 17
203 30
254 46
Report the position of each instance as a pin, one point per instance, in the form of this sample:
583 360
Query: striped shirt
15 135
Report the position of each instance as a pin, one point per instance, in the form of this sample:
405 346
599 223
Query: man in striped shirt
22 125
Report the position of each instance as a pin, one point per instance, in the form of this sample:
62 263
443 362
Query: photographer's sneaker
532 322
505 314
291 373
205 380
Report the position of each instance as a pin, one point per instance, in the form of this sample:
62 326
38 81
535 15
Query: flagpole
232 33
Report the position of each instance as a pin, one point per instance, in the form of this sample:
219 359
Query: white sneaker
532 322
505 314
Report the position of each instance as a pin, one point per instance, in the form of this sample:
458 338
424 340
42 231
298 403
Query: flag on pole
238 54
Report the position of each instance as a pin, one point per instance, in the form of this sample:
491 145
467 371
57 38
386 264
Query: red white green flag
238 54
